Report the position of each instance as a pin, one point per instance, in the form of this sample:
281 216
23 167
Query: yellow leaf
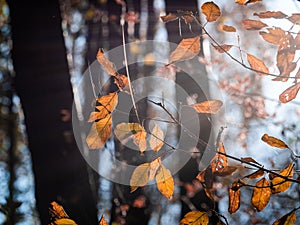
156 138
279 184
261 194
58 215
253 24
165 182
290 93
103 221
270 14
234 200
274 142
211 11
63 222
212 106
188 48
257 64
154 165
195 218
107 105
105 63
99 133
287 219
228 28
140 176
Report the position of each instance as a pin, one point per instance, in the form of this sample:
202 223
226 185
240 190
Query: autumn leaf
58 215
261 194
140 176
134 130
154 165
274 142
287 219
219 161
169 17
250 160
279 184
121 81
156 138
222 48
187 16
285 62
211 11
165 182
257 174
253 24
257 65
290 93
270 14
212 106
206 177
234 200
245 2
188 48
99 133
274 35
103 221
106 105
105 63
295 18
195 218
226 171
227 28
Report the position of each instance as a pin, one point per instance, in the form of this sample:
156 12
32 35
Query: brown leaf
212 106
290 93
209 193
274 35
287 219
226 171
279 184
219 161
195 218
121 81
211 11
257 174
58 215
295 18
168 18
274 142
257 65
105 63
188 48
222 48
103 221
156 138
99 133
237 185
253 24
285 63
234 200
140 176
250 160
154 165
106 105
206 177
261 194
165 182
270 14
187 16
245 2
228 28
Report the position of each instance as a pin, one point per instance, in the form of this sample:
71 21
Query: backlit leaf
105 63
212 106
219 161
287 219
103 221
211 11
234 200
274 142
168 18
279 184
188 48
195 218
295 18
257 64
140 176
165 182
156 138
228 28
290 93
222 48
99 133
270 14
154 165
245 2
274 35
257 174
58 215
261 194
253 24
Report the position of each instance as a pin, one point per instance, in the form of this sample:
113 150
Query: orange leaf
195 218
121 81
188 48
285 62
156 138
165 182
279 184
261 194
257 174
103 221
253 24
219 161
206 177
274 35
58 215
274 142
290 93
168 18
234 200
287 219
228 28
212 106
245 2
250 160
257 65
99 133
226 171
106 64
211 11
295 18
154 165
270 14
222 48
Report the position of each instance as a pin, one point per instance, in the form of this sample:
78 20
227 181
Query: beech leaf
156 138
250 160
287 219
274 35
257 65
274 142
290 93
234 200
253 24
261 194
245 2
222 48
219 161
165 182
279 184
257 174
227 28
295 18
211 11
270 14
212 106
105 63
169 17
195 218
140 176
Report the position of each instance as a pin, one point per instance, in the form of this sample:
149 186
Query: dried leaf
103 221
285 63
58 215
201 176
253 24
222 48
206 178
154 165
188 48
219 161
279 184
168 18
257 174
290 93
156 138
261 194
226 171
211 11
270 14
227 28
287 219
250 160
195 218
245 2
187 16
209 193
212 106
121 81
234 200
274 35
295 18
257 65
105 106
274 142
99 133
140 176
105 63
165 182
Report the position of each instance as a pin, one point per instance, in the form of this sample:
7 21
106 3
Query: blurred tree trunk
43 84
